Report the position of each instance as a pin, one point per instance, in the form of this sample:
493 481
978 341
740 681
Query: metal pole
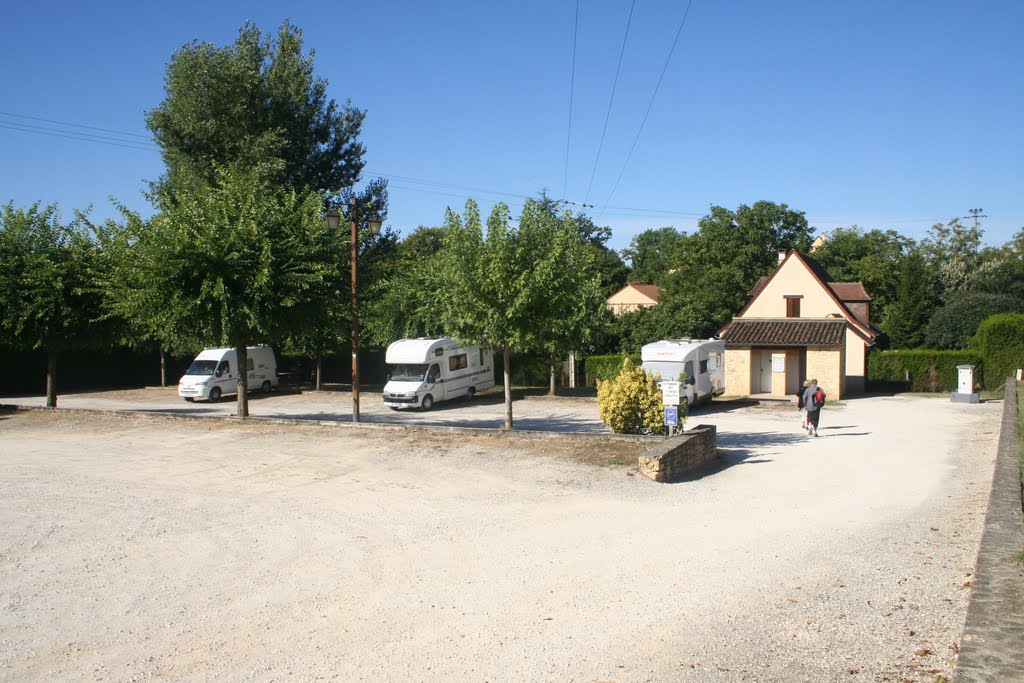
355 316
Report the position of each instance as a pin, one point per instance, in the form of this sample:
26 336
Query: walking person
814 399
800 403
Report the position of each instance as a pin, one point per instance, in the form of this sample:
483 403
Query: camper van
698 363
424 371
214 373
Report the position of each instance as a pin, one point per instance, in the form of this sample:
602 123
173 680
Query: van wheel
214 394
427 403
470 394
266 387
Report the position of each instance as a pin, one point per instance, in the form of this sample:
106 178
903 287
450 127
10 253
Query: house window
792 307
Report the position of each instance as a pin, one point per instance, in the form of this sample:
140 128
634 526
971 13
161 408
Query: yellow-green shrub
631 402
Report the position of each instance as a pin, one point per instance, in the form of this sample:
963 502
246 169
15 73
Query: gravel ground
135 547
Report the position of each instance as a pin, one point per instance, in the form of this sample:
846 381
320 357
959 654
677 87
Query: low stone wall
674 458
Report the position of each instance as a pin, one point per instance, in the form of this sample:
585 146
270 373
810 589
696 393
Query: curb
992 647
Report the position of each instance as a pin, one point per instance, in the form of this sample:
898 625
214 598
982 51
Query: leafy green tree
516 289
256 103
715 268
953 325
235 262
953 252
873 257
907 316
49 300
651 253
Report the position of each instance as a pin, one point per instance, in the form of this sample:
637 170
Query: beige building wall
627 300
856 363
795 280
825 363
779 378
737 372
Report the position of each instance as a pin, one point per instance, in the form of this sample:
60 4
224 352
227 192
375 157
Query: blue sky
881 114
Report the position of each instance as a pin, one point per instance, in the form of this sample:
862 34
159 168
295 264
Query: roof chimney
782 255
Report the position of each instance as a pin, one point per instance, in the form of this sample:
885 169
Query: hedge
606 367
923 369
1000 339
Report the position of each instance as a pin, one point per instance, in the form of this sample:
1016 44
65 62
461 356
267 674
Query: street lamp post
374 220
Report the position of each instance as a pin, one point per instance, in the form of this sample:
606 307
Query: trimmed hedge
606 367
923 369
1000 339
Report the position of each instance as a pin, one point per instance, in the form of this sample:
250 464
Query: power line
76 125
70 135
611 99
572 89
649 107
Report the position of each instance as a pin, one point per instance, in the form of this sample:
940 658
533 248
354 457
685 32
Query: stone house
800 324
632 297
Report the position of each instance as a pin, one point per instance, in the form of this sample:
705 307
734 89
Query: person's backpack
819 397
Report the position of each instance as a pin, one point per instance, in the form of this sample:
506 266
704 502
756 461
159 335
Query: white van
423 371
214 373
698 363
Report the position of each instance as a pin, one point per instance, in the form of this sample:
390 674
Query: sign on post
670 393
671 416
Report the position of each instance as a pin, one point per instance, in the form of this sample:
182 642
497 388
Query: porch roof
794 332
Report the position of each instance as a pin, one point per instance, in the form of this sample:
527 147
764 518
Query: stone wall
674 458
737 371
825 363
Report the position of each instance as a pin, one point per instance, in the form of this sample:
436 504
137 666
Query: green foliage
953 325
1000 340
631 402
873 257
606 367
924 369
255 105
521 289
650 254
715 269
907 316
645 325
48 272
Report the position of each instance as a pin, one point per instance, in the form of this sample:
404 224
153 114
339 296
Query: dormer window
793 306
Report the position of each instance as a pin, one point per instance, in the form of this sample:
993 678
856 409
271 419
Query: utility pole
975 215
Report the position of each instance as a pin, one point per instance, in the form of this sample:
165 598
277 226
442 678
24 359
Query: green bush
1000 340
922 369
631 402
606 367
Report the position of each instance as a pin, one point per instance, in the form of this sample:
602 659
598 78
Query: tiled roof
796 332
850 291
647 290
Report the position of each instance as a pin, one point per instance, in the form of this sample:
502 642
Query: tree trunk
319 369
51 379
507 356
552 389
572 369
243 379
163 366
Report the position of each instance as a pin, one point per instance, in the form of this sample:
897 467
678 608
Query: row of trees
238 252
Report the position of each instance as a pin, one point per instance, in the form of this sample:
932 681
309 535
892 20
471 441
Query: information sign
670 393
671 416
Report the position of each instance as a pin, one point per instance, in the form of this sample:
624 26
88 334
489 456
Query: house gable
632 297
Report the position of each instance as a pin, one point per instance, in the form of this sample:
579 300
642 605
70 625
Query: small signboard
671 416
670 393
778 362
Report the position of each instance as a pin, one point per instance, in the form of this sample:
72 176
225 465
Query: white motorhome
214 373
424 371
698 363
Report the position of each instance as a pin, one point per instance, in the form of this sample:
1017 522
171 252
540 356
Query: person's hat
807 382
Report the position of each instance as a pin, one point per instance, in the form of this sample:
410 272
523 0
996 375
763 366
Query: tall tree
873 257
516 289
650 254
49 300
236 262
907 316
715 268
257 103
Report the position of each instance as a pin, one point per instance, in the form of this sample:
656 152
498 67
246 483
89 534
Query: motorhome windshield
202 367
667 370
406 372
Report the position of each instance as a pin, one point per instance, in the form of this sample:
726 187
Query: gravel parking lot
136 547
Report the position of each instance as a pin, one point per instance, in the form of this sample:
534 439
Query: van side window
481 357
714 361
225 368
249 364
703 367
458 362
433 373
